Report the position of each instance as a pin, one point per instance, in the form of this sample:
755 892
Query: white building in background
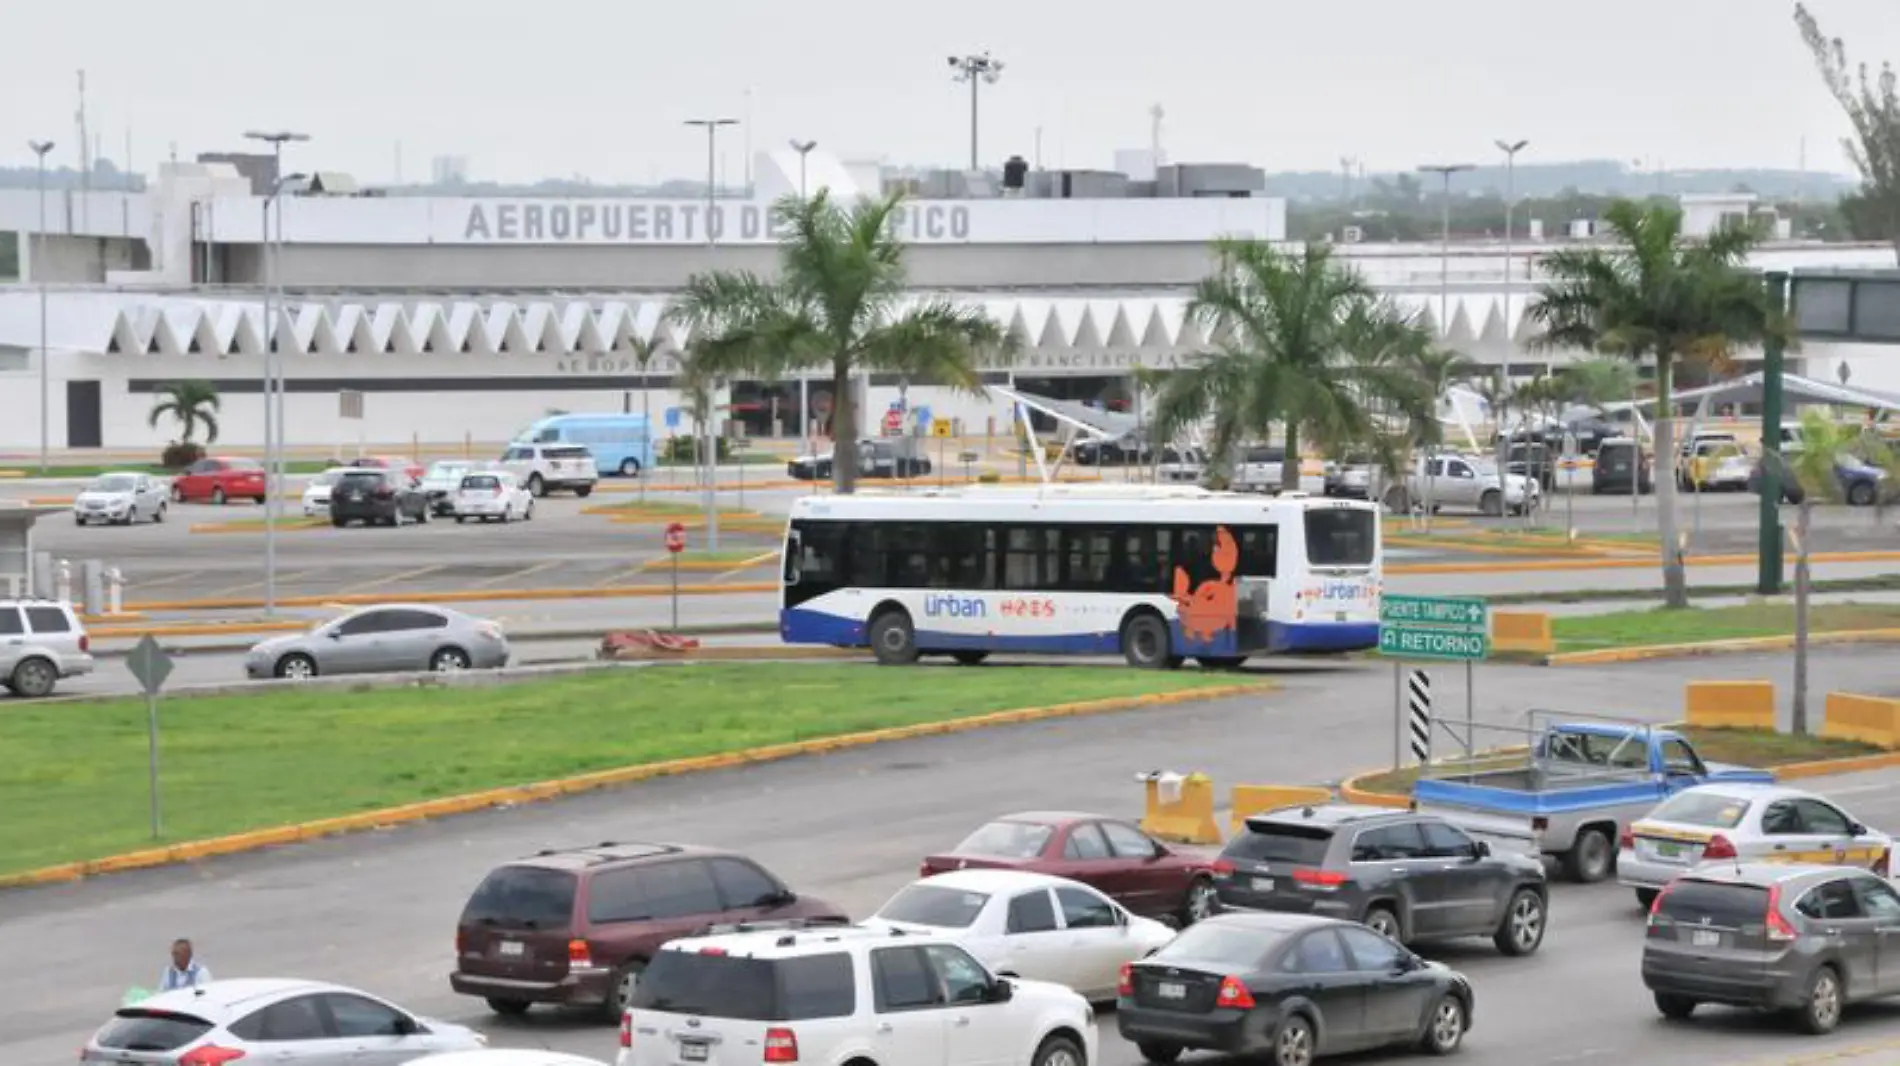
462 318
449 169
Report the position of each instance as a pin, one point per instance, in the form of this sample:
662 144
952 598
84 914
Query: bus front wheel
1147 644
893 640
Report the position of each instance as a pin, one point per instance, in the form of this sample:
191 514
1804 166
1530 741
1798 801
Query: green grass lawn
73 776
1624 629
1742 747
31 469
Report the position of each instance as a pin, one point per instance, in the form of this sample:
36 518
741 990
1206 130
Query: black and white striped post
1419 712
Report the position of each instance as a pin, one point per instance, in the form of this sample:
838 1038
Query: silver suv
41 642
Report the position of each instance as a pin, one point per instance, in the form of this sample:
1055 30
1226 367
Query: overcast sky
599 87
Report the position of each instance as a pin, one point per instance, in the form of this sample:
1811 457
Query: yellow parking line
388 579
513 575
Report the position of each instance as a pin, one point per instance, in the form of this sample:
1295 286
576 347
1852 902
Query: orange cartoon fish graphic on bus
1212 608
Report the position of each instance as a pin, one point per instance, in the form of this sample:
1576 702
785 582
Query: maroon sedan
1139 872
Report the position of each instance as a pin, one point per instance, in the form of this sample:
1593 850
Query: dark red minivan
576 927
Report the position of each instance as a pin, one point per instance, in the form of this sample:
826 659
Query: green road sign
1434 627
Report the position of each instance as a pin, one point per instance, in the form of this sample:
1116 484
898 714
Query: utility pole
1445 171
712 167
273 364
711 441
85 159
38 266
1510 150
977 70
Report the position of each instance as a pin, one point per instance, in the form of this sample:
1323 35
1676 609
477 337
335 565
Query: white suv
831 994
544 468
41 642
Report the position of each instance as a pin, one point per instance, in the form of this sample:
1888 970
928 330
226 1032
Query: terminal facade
463 320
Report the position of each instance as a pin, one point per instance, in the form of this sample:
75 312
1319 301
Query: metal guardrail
1489 747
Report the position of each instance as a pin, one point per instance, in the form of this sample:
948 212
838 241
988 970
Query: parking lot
378 910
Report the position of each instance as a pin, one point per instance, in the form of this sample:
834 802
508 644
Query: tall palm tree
1812 475
1297 340
838 303
191 404
1657 295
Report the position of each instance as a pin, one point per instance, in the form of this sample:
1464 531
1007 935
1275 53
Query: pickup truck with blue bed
1571 789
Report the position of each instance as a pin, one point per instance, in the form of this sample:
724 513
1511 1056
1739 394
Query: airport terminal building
465 319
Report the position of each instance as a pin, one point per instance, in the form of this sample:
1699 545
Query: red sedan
390 462
220 481
1139 872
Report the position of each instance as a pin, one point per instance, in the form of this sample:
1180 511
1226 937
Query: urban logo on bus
956 607
1335 591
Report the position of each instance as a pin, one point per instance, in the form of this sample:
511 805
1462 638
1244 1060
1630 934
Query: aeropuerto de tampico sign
677 222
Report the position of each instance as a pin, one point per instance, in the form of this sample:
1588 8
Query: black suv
578 926
1411 877
377 498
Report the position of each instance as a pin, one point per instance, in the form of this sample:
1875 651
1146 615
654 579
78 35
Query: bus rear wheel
1147 644
893 639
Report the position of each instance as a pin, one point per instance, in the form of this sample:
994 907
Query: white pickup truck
1458 482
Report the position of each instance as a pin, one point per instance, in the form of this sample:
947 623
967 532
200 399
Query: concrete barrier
1522 631
1258 799
1868 719
1730 704
1186 817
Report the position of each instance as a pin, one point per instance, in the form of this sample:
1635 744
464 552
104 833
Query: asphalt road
562 548
378 910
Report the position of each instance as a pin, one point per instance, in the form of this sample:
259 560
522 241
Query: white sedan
492 496
1029 925
298 1023
120 499
316 495
1743 823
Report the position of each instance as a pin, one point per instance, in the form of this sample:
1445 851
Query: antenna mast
85 153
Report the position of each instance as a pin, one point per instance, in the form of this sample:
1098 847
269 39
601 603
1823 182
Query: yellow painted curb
623 775
1646 652
249 525
1350 791
707 566
635 510
109 619
1625 563
609 592
204 629
1795 771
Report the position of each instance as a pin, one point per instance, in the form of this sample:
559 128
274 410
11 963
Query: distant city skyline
597 88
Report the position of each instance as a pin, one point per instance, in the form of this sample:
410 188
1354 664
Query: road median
77 808
598 592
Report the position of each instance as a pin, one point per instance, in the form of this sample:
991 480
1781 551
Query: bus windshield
1340 537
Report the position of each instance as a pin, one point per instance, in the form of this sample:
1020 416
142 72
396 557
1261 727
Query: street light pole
975 69
712 138
709 444
274 426
40 148
1510 150
803 148
273 412
1445 171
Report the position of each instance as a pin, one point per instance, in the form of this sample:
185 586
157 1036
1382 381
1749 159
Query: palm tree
1811 474
189 403
1297 340
1657 295
644 351
838 303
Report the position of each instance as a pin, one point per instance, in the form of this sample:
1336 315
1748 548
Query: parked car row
1019 932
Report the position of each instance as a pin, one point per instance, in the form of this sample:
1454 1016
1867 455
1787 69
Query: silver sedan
389 638
120 499
306 1023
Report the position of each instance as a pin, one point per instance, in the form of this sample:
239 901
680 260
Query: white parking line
513 575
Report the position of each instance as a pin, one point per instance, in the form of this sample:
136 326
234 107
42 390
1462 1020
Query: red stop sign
675 537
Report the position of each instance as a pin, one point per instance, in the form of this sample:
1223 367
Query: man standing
185 970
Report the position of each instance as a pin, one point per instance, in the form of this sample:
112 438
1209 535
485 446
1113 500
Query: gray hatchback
1409 876
1773 936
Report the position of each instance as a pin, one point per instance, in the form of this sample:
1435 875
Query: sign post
1421 711
149 663
940 429
1434 629
675 544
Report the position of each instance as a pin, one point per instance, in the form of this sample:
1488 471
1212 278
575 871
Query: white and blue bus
1153 573
621 444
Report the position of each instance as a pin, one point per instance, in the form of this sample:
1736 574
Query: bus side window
1029 559
1259 551
866 555
960 557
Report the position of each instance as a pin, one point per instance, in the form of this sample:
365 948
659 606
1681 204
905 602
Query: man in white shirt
185 970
